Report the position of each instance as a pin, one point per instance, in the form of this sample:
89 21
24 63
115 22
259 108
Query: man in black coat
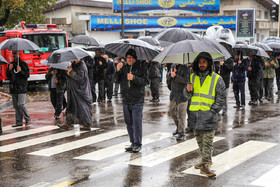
154 79
132 78
177 80
99 76
18 73
109 81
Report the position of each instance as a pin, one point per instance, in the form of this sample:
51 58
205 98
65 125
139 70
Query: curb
7 104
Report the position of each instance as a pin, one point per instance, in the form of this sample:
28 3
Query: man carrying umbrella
132 78
79 97
208 98
18 73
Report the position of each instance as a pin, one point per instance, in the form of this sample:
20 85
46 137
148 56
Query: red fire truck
46 36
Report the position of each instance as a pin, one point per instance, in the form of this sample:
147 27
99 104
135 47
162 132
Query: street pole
278 30
122 20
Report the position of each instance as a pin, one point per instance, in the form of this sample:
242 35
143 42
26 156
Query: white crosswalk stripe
7 128
36 141
27 132
79 143
119 148
168 153
269 179
233 157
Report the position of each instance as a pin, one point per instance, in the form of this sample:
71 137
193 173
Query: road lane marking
27 132
271 178
79 143
119 148
35 141
7 128
168 153
63 184
233 157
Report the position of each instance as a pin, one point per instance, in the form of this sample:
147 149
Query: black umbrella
263 46
226 44
67 54
245 49
17 44
150 40
84 39
62 65
144 51
214 43
3 60
186 51
172 35
260 52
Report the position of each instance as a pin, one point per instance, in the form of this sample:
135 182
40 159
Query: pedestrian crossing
149 158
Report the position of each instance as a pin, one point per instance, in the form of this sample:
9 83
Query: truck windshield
47 42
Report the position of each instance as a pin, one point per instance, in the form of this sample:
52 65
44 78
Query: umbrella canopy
226 45
271 39
262 45
144 51
245 49
186 51
84 39
62 65
214 43
172 35
3 60
17 44
150 40
67 54
260 52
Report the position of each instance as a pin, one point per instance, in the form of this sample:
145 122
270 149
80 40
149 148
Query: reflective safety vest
203 96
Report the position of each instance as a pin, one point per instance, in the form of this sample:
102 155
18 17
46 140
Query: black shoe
17 125
236 106
27 123
188 130
109 100
260 100
153 100
180 137
130 148
175 132
136 149
156 100
250 102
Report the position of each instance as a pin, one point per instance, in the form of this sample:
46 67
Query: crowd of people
198 92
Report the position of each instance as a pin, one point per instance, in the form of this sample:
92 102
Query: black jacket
256 71
136 92
18 81
61 77
153 69
99 70
225 70
110 71
178 84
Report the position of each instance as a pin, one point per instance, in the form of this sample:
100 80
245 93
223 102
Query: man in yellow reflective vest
208 98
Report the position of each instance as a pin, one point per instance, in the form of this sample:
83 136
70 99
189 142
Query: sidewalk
5 99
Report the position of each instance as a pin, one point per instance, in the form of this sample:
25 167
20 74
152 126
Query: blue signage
113 23
167 6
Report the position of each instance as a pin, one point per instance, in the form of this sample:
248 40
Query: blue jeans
133 115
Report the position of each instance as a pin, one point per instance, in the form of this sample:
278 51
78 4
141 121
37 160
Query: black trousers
101 88
254 89
239 87
58 101
108 89
155 83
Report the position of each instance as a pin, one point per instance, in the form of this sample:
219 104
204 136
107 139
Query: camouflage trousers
205 143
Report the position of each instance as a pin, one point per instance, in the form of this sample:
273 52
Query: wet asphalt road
20 168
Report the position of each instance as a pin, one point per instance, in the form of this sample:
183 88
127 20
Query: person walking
154 79
57 81
254 76
132 78
18 73
270 64
224 68
99 76
208 98
238 79
177 80
89 61
79 97
109 78
117 85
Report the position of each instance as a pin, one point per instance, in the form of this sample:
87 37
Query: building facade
74 16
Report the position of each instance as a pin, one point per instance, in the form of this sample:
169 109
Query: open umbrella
84 39
150 40
214 43
3 60
186 51
62 65
172 35
67 54
17 44
263 46
226 44
271 39
245 49
260 52
144 51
